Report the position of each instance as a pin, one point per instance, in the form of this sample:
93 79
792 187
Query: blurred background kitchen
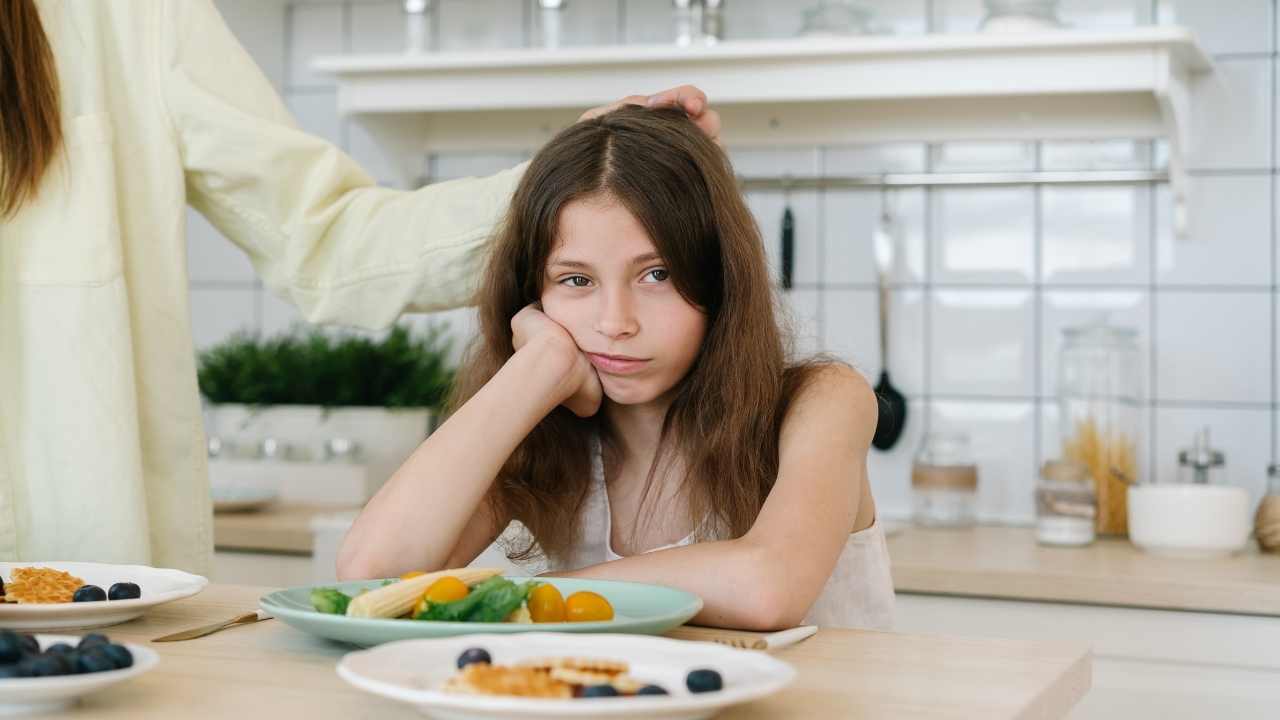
1084 303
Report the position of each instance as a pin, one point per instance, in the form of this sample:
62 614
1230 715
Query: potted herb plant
311 396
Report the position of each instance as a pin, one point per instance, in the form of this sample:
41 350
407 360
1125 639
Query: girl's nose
617 317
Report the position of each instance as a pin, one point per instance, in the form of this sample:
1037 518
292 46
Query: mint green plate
637 609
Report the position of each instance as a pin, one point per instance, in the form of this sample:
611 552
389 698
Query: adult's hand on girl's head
689 97
580 391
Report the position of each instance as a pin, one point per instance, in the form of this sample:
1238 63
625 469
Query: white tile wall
1213 346
986 343
986 278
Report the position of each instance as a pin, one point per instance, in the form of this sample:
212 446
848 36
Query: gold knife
246 619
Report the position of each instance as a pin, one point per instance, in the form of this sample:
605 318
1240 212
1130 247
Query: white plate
412 671
158 586
241 499
25 696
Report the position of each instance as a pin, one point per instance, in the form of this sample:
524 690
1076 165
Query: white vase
383 437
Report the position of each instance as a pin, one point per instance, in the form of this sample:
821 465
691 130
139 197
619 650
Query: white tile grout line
344 123
1152 355
1271 107
930 240
1037 310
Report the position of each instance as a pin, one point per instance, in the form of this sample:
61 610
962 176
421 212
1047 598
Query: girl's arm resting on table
432 512
769 578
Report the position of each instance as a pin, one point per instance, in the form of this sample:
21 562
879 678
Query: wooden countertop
269 669
281 528
986 561
1007 563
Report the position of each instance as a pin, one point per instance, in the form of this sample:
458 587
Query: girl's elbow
774 610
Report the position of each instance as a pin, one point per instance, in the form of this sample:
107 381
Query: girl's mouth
617 364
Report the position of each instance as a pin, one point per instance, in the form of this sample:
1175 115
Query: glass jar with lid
1100 414
1066 504
944 481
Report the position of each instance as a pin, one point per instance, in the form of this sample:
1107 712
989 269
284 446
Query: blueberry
48 665
119 655
652 690
89 593
93 660
59 649
703 680
29 644
92 639
599 691
13 670
474 655
11 647
124 591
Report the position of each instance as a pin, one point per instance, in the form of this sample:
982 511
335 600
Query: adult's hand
693 100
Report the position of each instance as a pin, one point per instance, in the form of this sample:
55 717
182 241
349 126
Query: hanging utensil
788 243
892 404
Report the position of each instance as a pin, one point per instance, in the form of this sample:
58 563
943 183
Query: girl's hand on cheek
580 389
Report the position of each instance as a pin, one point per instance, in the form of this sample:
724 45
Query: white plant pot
384 436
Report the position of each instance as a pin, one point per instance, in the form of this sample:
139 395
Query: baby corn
398 598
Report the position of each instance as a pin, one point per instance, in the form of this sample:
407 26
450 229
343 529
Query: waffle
584 672
37 585
485 679
587 665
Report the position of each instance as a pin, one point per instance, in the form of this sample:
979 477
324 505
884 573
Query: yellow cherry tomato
546 604
411 574
446 589
586 606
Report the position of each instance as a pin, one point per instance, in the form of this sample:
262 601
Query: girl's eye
576 281
658 274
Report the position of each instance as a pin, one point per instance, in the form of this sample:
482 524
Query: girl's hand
580 390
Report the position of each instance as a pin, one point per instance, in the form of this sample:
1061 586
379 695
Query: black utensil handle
788 247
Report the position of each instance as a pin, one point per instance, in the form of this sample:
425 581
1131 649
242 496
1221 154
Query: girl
629 403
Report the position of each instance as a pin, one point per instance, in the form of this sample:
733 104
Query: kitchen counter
282 528
986 561
270 669
1007 563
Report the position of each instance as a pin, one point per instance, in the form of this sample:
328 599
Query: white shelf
1065 84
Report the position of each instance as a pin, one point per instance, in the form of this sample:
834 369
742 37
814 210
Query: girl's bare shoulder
832 392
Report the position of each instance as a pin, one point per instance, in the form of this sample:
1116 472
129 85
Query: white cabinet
1158 664
272 570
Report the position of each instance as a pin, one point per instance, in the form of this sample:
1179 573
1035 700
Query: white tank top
859 593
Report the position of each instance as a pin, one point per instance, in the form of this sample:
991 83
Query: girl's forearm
741 585
415 520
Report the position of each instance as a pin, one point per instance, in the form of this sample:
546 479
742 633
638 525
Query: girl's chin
630 392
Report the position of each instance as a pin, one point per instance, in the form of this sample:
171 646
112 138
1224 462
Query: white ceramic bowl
1187 520
26 696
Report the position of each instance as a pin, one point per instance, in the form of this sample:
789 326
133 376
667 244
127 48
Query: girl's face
607 285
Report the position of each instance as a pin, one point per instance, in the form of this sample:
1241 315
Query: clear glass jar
1020 15
944 481
1100 414
1066 504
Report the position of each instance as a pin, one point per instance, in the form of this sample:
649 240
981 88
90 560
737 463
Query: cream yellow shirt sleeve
318 230
102 454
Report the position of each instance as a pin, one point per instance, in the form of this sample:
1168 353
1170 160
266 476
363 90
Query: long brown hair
30 125
726 412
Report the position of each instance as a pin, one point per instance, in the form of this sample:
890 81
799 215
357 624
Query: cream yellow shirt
102 453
